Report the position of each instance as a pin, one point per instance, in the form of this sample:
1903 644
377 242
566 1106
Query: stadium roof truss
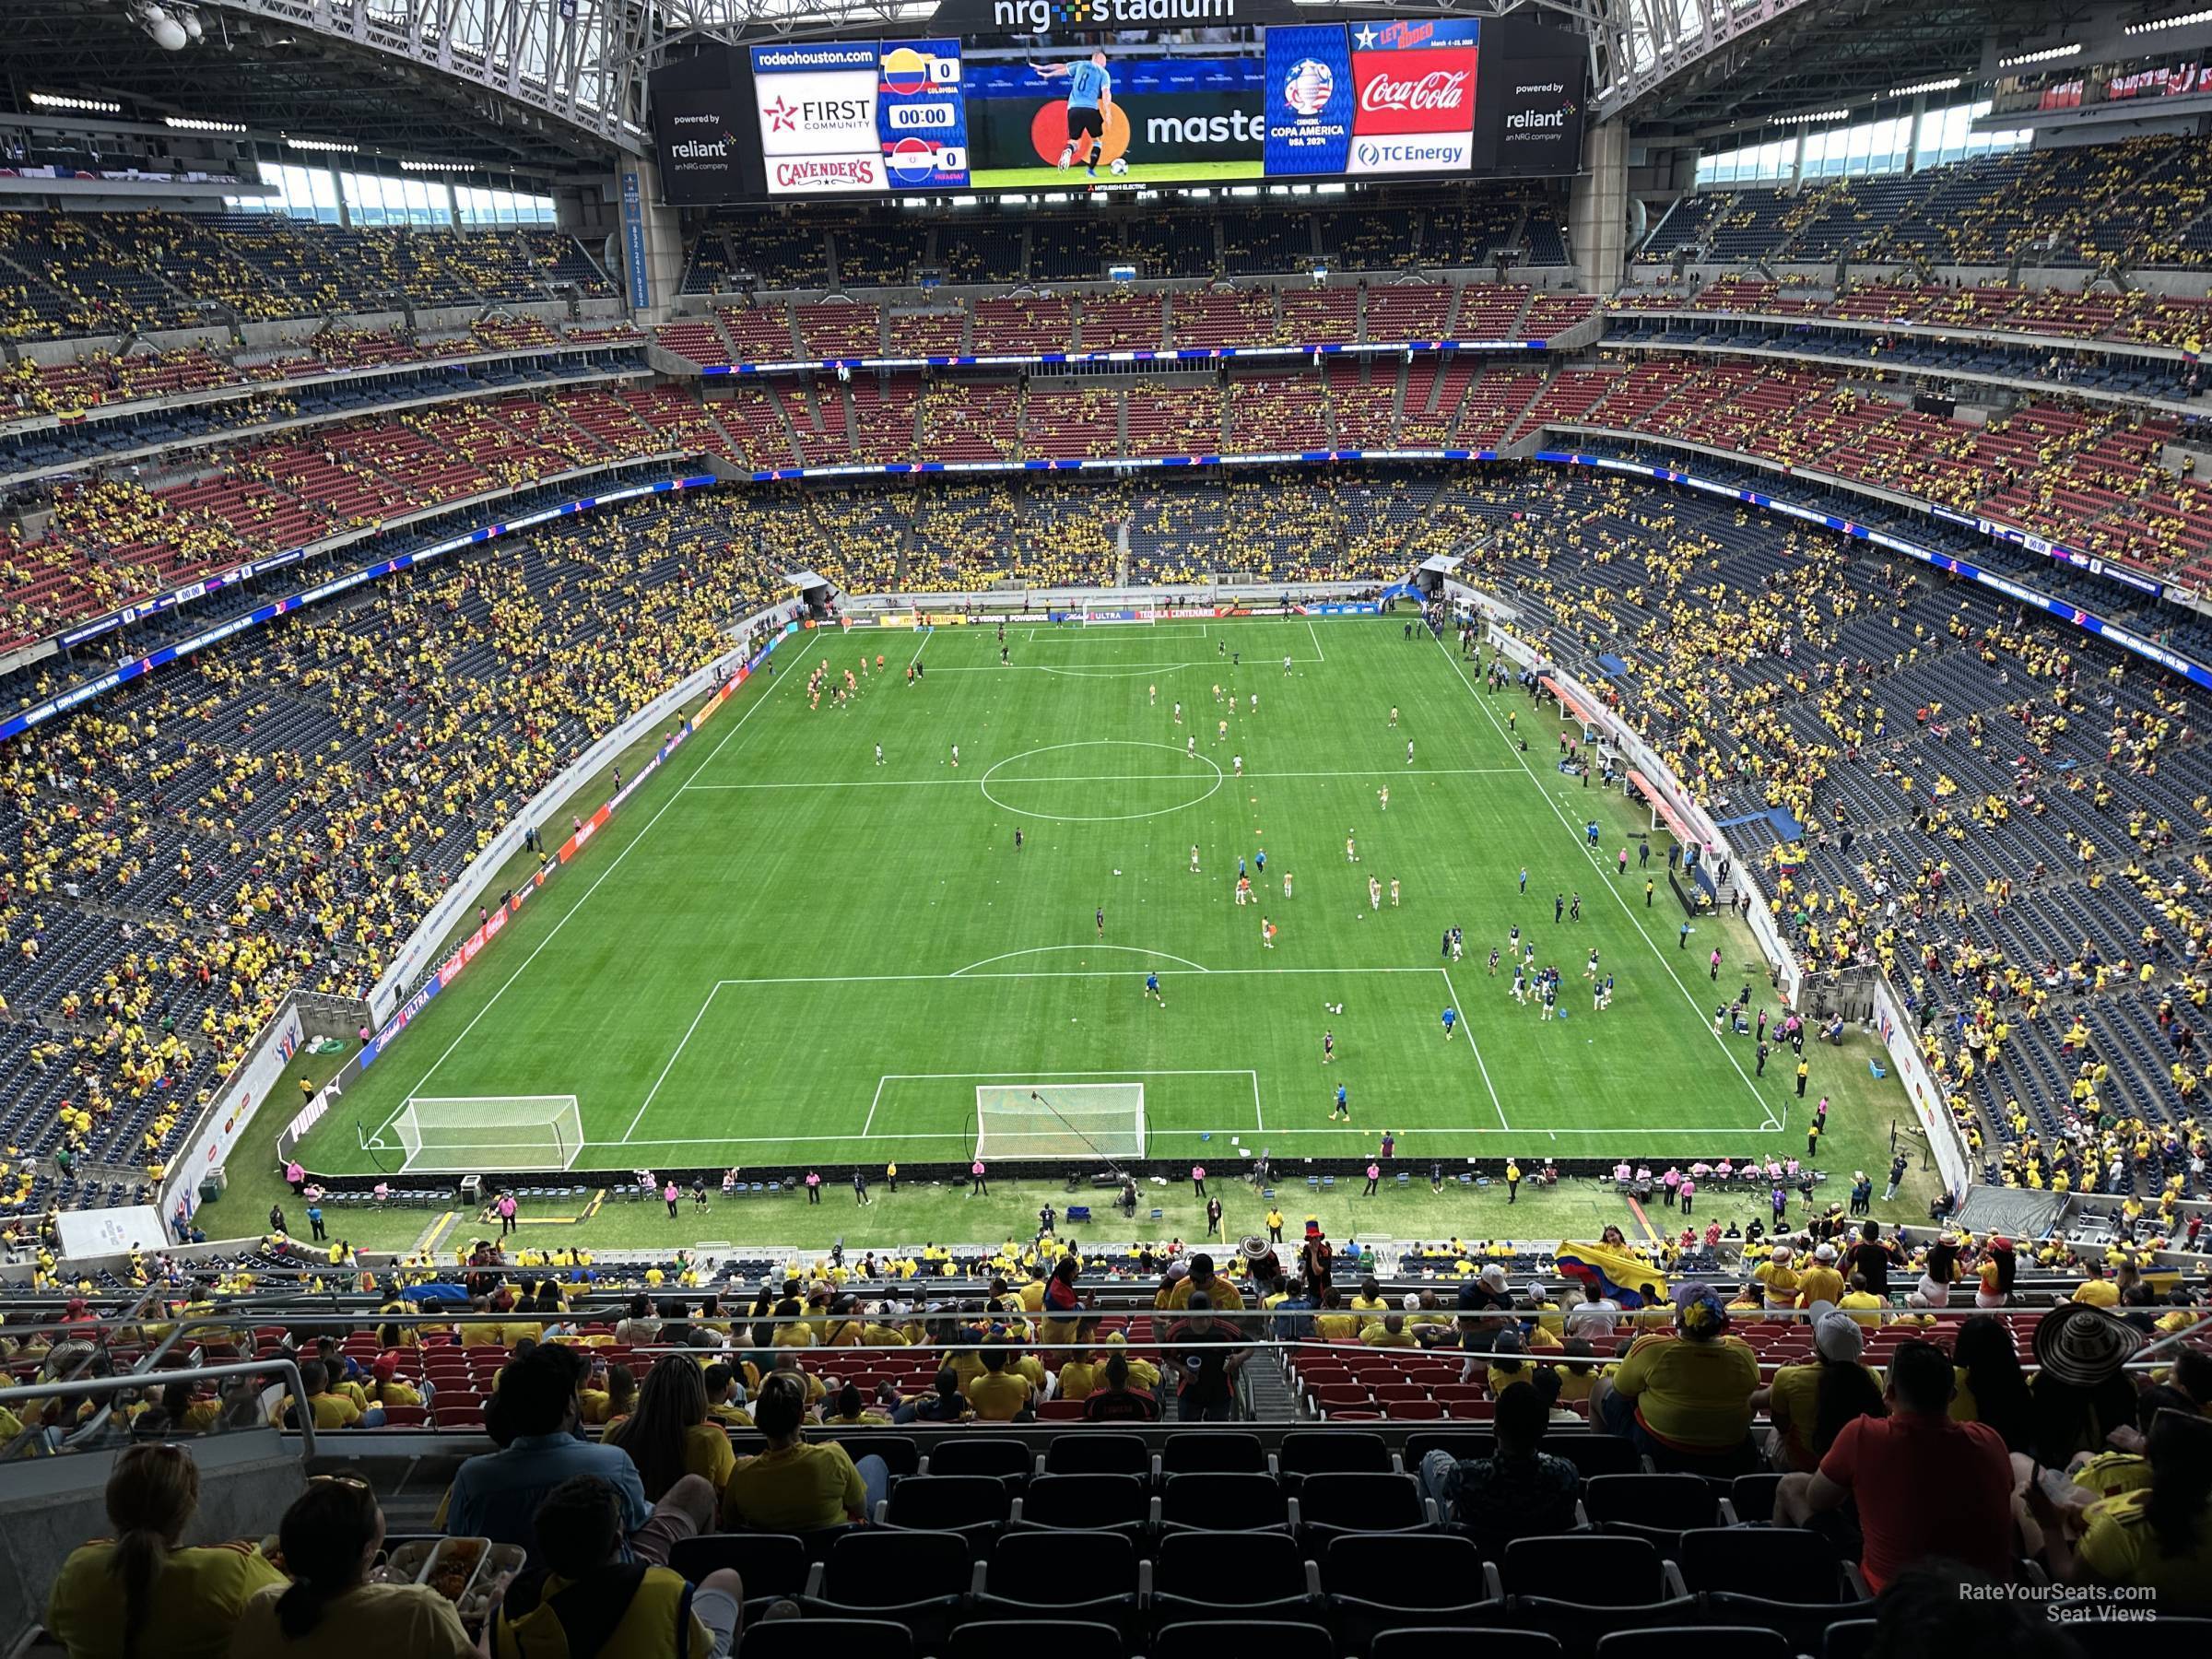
577 61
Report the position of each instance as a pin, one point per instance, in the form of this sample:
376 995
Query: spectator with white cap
1811 1401
1777 1278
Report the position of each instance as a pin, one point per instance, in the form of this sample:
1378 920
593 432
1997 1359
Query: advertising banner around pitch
1414 86
921 118
1310 99
816 107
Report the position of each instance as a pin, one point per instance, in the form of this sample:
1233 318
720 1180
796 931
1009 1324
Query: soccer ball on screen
1119 166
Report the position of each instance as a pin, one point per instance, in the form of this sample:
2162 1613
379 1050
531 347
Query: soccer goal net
1060 1120
468 1135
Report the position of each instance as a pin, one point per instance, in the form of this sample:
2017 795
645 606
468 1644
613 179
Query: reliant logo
696 149
1439 89
1523 121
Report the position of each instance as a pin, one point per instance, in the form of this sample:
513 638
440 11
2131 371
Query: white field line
1607 881
554 932
966 1137
1468 1026
705 1003
1400 772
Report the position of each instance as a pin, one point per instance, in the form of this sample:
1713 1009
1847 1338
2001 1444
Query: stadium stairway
1267 1392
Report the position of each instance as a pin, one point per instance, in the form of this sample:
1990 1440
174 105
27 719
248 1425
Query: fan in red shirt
1924 1485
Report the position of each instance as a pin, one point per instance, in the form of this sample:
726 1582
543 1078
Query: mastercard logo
905 71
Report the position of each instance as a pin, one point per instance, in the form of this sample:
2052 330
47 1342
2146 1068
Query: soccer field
784 952
1044 176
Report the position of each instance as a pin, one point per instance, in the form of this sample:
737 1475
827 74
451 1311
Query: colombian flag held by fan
1628 1279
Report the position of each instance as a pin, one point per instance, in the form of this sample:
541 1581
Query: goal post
468 1135
1060 1120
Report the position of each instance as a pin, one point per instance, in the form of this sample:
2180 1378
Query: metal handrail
283 1367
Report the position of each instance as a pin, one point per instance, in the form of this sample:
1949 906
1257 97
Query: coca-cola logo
1437 90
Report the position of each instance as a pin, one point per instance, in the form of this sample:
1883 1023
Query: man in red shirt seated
1926 1486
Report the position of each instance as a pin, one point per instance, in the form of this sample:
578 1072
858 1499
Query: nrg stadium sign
982 17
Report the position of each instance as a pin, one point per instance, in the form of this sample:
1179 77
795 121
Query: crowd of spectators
1907 728
122 274
278 814
1895 1434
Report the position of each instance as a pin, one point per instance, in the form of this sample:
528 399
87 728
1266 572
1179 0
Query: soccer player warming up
1152 989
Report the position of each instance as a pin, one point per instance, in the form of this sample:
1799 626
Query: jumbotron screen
1436 96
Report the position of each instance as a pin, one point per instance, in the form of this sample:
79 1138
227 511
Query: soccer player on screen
1089 100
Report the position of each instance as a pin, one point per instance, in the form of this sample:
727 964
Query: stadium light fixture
336 146
438 167
192 123
83 106
2158 25
1949 83
1808 118
2048 54
162 25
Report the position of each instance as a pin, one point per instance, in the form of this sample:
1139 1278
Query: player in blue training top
1344 1106
1450 1019
1152 989
1089 102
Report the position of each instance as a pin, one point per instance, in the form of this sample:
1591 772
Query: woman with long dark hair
668 1435
1992 1388
1939 1272
330 1537
139 1594
1811 1402
1063 1304
1997 1270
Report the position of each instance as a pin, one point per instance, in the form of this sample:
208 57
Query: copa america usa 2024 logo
1310 87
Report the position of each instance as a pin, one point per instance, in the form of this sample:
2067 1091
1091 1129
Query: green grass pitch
1046 177
784 952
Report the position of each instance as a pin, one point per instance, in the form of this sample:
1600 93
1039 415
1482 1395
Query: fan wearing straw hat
2080 1393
